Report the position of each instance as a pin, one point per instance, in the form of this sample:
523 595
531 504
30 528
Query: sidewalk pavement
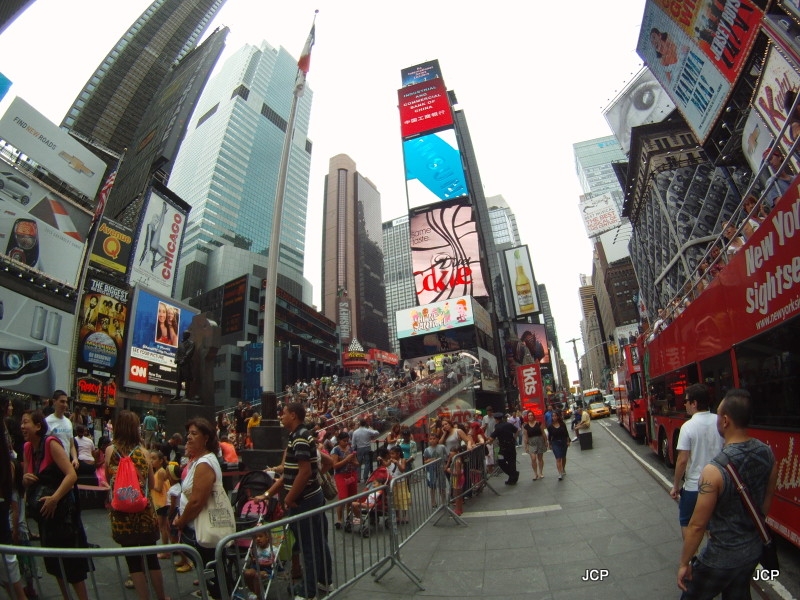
547 539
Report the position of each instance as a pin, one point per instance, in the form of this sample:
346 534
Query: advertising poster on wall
642 101
531 388
490 376
445 254
38 230
599 214
437 316
156 326
35 341
529 346
112 246
102 321
433 169
424 107
30 132
421 72
523 293
697 87
154 262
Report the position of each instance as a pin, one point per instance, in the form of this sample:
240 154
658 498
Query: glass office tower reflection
227 167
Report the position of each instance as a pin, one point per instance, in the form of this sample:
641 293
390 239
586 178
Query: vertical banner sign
155 258
531 390
445 253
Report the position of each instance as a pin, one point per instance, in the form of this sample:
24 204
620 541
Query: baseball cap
498 415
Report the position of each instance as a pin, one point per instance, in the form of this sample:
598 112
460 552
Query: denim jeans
364 456
312 540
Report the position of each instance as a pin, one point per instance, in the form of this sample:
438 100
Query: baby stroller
368 510
250 514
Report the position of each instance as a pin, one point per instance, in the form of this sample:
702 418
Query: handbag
769 553
216 520
328 485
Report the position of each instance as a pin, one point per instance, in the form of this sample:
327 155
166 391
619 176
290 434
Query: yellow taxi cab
598 410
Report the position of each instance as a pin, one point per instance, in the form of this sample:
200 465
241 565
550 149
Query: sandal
184 568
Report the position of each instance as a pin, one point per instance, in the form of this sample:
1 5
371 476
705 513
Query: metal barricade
363 545
108 570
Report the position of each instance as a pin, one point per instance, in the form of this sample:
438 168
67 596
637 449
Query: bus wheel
663 446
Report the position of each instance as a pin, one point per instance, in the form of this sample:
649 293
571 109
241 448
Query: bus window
769 368
717 374
668 393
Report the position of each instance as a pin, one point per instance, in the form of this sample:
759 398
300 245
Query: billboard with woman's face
157 324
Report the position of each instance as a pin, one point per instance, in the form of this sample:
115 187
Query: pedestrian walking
534 442
506 435
558 441
698 442
726 563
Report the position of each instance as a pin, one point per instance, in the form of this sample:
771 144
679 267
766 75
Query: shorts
686 507
346 484
536 445
162 512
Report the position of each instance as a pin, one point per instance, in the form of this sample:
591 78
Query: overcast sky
531 77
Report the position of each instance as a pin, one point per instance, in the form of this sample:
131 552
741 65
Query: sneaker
252 596
560 477
324 587
575 439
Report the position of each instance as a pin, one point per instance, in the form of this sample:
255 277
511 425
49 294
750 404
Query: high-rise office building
547 314
398 273
111 105
353 292
227 167
503 222
10 10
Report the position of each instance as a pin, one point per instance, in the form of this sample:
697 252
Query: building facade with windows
398 273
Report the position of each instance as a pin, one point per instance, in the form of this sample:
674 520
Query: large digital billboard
692 79
102 320
424 107
433 169
421 72
523 292
445 253
642 101
156 326
35 341
528 346
234 301
420 320
34 135
599 214
43 233
154 262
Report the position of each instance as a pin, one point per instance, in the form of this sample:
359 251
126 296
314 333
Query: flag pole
269 406
91 237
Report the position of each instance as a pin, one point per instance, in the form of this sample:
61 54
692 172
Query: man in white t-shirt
698 442
61 427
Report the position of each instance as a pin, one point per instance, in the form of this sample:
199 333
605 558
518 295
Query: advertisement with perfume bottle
522 294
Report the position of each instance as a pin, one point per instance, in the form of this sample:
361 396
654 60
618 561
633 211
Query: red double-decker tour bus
631 406
742 330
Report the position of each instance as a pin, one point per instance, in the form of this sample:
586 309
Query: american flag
101 199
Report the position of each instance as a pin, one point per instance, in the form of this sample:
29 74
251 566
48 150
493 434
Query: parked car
611 403
598 410
15 186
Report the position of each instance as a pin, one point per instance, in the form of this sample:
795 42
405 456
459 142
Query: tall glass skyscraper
108 110
398 273
227 167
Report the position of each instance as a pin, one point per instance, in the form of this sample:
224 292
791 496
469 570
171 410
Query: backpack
127 495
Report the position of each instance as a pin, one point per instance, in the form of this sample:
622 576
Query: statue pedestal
269 441
179 413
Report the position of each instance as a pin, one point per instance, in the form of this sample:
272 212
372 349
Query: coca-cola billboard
445 253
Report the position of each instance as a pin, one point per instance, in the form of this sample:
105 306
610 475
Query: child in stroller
372 506
259 567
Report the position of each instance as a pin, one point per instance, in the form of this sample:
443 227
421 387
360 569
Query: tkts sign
531 389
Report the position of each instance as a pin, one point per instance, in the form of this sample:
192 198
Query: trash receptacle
585 440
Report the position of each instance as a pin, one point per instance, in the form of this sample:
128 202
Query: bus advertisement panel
741 330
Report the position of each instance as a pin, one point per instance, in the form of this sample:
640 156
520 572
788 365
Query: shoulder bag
216 520
769 553
328 485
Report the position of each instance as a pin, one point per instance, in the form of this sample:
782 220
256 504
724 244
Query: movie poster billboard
102 321
154 262
434 171
437 316
30 132
424 107
523 292
528 346
642 101
445 253
156 326
35 341
40 231
421 72
112 247
769 112
691 78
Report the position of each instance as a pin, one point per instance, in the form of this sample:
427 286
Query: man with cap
506 434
